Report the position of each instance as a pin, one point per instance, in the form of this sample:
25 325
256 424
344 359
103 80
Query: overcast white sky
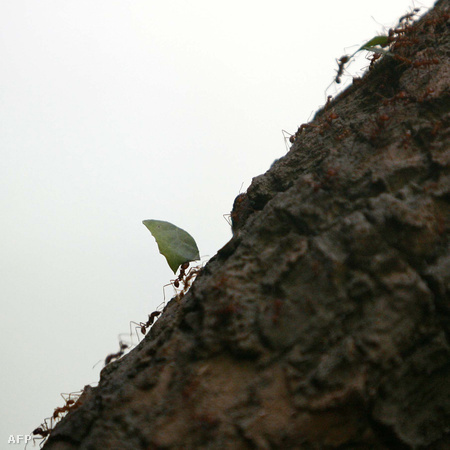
113 112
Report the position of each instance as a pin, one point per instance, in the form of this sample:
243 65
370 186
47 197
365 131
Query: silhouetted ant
71 397
192 274
341 63
44 431
288 137
179 279
143 326
72 402
305 126
374 57
70 405
113 356
408 17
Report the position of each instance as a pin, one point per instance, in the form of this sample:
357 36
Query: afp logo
19 438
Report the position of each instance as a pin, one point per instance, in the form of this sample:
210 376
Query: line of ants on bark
399 38
74 400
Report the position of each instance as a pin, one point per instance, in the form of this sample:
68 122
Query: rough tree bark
325 321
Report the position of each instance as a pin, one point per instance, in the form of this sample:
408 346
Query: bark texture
325 321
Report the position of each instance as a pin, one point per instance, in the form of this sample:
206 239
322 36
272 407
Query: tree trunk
325 321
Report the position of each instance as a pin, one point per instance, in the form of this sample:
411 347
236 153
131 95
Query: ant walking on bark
143 326
343 60
407 18
71 401
185 277
179 279
113 356
288 137
43 431
189 279
123 346
374 57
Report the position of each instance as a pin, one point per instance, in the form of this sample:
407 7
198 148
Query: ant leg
227 217
288 137
175 284
71 398
141 326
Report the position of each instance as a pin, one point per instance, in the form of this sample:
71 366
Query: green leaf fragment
382 41
177 245
372 46
379 50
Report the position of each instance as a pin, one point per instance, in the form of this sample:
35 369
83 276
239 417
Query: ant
72 402
72 397
190 275
331 116
374 57
304 126
408 17
288 137
62 409
188 281
404 42
113 356
44 431
176 283
241 210
341 63
402 58
327 104
143 326
425 62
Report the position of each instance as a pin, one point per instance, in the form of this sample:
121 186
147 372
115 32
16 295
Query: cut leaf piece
177 245
382 41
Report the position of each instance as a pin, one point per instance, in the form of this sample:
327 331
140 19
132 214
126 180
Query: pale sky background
113 112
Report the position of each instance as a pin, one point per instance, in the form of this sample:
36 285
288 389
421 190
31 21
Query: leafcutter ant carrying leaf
177 245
